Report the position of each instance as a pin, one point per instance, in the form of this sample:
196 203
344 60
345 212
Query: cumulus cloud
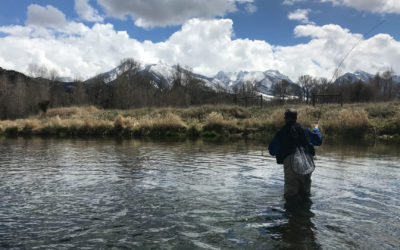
151 13
48 16
300 15
207 46
375 6
87 12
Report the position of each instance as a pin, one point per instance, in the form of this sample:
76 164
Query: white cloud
207 46
300 15
291 2
250 8
45 16
87 12
375 6
151 13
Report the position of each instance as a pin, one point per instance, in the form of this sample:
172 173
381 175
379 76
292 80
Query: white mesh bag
302 163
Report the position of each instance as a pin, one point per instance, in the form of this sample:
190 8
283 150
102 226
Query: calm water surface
91 194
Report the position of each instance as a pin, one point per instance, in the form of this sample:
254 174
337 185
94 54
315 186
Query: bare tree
322 86
306 83
387 78
281 89
129 67
53 75
246 88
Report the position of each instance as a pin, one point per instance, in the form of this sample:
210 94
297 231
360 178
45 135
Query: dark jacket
291 136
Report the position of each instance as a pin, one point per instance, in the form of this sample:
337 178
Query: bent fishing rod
335 75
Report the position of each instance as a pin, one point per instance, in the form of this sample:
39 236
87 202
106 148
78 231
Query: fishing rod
336 72
335 75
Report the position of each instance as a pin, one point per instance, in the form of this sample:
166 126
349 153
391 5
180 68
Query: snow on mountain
162 76
263 81
358 75
108 76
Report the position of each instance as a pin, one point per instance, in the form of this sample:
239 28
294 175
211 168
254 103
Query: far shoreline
361 122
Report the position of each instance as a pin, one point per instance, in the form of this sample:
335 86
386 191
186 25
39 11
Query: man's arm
315 136
273 147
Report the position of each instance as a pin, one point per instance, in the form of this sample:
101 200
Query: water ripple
63 194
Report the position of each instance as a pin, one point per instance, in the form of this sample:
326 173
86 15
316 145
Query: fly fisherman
293 146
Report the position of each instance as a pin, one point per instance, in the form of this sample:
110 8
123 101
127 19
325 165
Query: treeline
20 95
133 88
381 87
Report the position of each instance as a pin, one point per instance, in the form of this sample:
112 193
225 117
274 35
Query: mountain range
162 75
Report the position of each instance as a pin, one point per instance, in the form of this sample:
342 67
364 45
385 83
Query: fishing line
354 46
336 72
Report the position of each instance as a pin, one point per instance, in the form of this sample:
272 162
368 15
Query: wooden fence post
313 100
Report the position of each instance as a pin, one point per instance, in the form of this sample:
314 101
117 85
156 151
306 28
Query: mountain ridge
163 75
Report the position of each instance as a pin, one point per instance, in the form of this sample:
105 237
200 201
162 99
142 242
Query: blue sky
86 37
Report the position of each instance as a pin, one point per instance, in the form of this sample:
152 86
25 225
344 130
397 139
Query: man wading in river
293 146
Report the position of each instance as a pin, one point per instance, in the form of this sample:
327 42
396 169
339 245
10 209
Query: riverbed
102 193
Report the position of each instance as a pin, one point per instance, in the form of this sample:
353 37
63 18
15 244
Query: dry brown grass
354 120
167 121
66 112
346 122
216 121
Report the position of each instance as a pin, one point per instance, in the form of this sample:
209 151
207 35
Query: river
94 193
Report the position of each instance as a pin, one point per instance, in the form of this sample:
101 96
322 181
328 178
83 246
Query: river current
93 193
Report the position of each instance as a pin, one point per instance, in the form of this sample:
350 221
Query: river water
91 194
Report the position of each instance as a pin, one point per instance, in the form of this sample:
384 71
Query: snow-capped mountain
353 77
359 75
263 81
163 75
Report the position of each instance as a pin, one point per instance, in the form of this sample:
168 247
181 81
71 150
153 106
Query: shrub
381 110
169 122
353 123
215 121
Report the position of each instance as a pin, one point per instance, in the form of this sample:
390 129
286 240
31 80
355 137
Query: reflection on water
60 194
298 231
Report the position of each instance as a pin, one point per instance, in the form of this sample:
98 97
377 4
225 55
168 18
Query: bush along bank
353 121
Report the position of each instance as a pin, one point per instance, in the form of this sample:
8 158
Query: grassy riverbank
375 120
